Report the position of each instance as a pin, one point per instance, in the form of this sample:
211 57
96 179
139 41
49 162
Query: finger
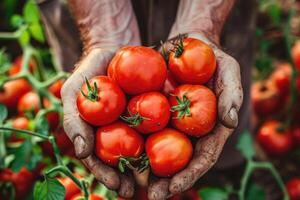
126 189
103 173
158 189
205 156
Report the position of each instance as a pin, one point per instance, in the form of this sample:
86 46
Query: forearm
105 23
202 16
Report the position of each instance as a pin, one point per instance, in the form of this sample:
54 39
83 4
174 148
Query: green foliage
3 113
245 145
213 194
42 126
255 192
49 189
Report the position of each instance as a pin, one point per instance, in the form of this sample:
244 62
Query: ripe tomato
265 97
281 77
296 54
296 134
16 67
273 140
91 197
101 101
56 87
22 181
117 141
148 112
19 123
192 62
169 151
194 109
293 188
169 85
138 69
12 91
70 187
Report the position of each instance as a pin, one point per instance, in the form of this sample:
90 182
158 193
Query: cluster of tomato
271 99
145 97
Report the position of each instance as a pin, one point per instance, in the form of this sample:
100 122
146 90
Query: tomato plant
168 151
138 69
293 188
192 61
101 101
17 65
148 112
70 187
194 109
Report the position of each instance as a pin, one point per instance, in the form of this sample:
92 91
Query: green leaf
16 21
213 194
274 12
5 63
3 113
31 12
49 189
36 32
255 192
24 39
245 145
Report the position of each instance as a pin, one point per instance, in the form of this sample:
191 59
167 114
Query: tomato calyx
134 120
183 107
92 93
137 164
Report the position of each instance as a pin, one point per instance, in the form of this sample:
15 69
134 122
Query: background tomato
169 151
296 54
293 188
19 123
117 140
148 112
91 197
274 140
296 134
281 77
194 109
102 105
55 88
193 62
16 67
138 69
70 187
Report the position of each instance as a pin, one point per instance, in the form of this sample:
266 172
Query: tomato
70 187
273 140
117 141
16 67
91 197
296 54
194 109
169 85
192 62
138 69
148 112
56 87
19 123
169 151
187 195
101 101
298 85
293 188
22 181
296 134
281 77
12 91
265 97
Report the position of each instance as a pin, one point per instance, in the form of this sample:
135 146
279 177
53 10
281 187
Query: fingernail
79 146
233 116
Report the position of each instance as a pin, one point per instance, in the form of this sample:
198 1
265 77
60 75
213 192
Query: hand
226 84
101 39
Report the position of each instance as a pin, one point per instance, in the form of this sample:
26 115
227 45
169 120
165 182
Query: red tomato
192 62
194 109
265 97
281 77
102 104
169 151
148 112
91 197
296 54
12 91
138 69
187 195
16 67
293 188
118 140
22 181
273 140
19 123
296 134
70 187
169 85
56 87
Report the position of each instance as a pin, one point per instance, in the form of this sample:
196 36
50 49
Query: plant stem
13 35
25 132
56 150
245 178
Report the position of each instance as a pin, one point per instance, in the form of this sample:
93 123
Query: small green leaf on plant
36 32
213 194
16 21
42 126
3 113
31 12
24 38
245 145
49 189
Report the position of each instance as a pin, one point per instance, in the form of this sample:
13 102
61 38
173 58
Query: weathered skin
106 25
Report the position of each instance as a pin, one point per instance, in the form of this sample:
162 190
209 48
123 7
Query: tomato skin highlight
107 108
272 140
138 69
91 197
293 188
196 65
117 140
70 187
203 110
152 106
169 151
